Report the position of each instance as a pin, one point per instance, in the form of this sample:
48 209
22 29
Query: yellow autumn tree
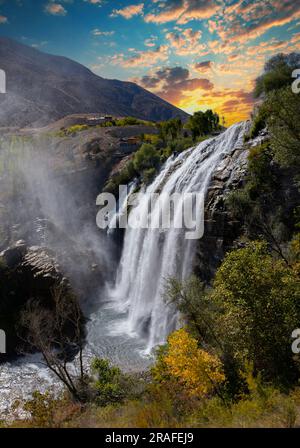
196 370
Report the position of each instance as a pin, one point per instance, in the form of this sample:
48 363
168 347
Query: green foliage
247 317
149 175
125 176
283 109
259 203
110 384
132 121
175 147
263 406
72 130
192 300
146 157
260 301
259 123
170 130
203 123
277 73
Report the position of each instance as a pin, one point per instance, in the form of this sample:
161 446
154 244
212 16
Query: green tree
277 73
260 301
171 129
283 111
146 157
203 123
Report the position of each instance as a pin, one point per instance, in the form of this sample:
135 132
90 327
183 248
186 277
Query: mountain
42 88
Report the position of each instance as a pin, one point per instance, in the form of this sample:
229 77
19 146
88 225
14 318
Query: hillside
43 88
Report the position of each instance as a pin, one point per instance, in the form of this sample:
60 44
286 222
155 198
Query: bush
110 384
132 121
46 411
146 157
170 130
74 129
148 175
259 123
125 176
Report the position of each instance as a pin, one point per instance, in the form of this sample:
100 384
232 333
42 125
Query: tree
171 129
283 111
57 333
197 371
196 307
259 298
203 123
277 73
146 157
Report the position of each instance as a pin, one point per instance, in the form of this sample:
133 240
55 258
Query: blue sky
194 53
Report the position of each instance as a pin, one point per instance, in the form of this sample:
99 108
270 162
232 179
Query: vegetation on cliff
173 137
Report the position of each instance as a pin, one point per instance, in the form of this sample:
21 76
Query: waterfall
115 215
150 256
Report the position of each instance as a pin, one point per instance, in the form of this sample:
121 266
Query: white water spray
150 256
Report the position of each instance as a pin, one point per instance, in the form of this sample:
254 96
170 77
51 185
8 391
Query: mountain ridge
43 88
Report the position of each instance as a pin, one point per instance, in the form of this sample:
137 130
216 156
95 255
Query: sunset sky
196 54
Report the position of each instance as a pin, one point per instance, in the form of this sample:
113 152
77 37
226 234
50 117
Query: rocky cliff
26 273
223 230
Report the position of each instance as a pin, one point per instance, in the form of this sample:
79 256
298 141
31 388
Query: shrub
146 157
197 371
110 383
125 176
148 175
259 123
75 129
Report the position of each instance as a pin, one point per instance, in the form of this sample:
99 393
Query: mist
47 202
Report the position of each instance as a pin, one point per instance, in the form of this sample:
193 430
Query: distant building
96 120
129 144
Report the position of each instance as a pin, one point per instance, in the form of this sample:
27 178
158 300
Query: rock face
42 88
26 273
222 229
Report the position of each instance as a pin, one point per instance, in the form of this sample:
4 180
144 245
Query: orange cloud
128 11
204 66
55 9
186 42
142 58
261 16
183 11
174 84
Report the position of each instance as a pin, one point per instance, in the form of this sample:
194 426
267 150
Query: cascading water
150 256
